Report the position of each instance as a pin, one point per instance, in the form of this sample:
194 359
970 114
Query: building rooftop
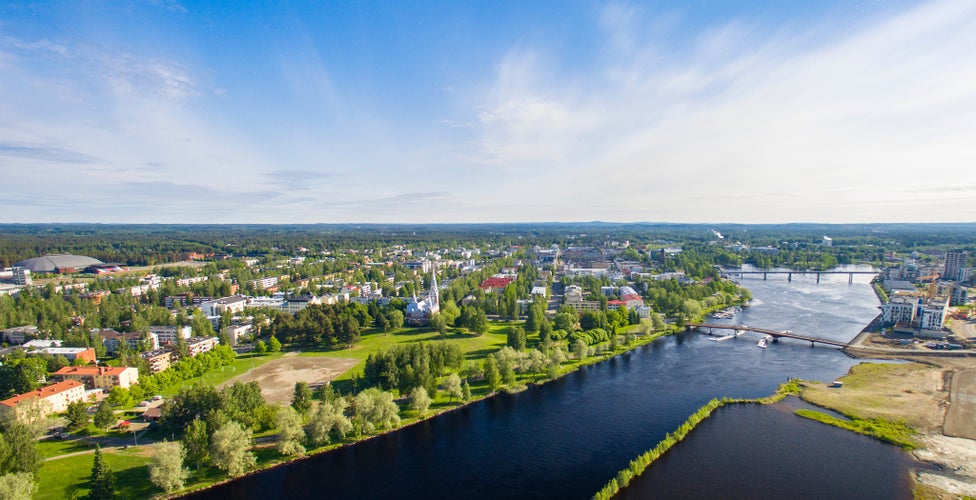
43 392
92 370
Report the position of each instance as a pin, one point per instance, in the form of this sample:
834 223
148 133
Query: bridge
776 334
789 274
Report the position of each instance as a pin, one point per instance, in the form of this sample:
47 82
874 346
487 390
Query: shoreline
594 360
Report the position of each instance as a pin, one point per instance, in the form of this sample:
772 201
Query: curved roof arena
52 263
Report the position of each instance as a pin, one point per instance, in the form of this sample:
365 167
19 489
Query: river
567 438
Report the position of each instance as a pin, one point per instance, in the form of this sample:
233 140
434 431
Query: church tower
433 297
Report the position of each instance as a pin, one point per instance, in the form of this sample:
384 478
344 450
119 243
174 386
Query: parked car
157 398
144 403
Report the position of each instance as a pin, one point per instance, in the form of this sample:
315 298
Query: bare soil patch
960 419
912 392
277 378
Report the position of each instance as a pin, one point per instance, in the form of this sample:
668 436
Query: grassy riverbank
476 348
896 433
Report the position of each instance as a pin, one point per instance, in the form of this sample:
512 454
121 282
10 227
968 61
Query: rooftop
41 393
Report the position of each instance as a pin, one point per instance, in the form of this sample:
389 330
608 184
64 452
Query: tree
101 485
579 348
375 409
229 449
19 449
196 442
301 401
104 416
452 385
419 400
290 432
261 347
657 322
77 416
274 345
645 326
465 391
119 396
328 419
17 485
438 323
516 338
492 375
166 468
396 319
244 403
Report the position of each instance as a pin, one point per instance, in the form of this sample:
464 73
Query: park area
277 377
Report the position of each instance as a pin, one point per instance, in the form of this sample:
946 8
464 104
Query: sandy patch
960 419
277 378
957 459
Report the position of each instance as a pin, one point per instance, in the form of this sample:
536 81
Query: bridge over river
776 334
789 274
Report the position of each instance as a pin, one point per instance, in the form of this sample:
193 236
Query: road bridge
789 274
776 334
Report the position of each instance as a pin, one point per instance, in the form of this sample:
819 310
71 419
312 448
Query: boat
764 341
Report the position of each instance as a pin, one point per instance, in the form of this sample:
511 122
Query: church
419 311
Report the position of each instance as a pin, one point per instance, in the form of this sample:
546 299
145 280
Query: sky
173 111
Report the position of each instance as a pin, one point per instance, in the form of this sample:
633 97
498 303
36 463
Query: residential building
265 283
19 334
166 335
233 305
955 266
272 302
72 354
827 241
21 276
296 304
236 331
197 345
158 359
901 309
54 398
134 341
100 377
932 316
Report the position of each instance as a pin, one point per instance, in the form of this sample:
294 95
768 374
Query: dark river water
566 439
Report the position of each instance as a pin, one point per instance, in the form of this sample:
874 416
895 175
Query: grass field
892 391
241 364
58 478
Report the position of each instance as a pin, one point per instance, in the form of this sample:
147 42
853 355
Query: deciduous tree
230 449
104 416
419 400
290 432
166 469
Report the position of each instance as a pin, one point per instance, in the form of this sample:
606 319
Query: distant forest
154 244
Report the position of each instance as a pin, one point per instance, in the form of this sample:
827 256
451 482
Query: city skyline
168 112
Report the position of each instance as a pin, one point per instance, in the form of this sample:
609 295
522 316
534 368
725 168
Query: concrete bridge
776 334
789 274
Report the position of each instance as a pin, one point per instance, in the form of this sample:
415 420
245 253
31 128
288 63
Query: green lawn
475 347
241 364
57 477
55 447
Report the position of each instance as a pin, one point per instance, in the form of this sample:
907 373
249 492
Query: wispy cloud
746 112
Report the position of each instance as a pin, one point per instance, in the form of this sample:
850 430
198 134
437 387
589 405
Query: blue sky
227 112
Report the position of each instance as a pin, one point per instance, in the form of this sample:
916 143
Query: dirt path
960 419
277 378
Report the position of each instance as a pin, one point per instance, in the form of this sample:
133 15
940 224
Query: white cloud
782 118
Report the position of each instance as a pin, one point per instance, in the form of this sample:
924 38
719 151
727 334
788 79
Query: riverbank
410 419
920 394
